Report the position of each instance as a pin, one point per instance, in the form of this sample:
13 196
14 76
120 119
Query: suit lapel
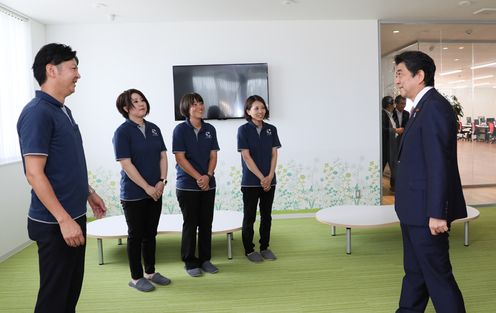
414 117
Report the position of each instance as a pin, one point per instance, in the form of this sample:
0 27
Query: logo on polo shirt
208 135
269 132
154 132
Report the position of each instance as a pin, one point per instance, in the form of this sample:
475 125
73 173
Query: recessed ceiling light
481 84
395 31
445 48
450 72
483 65
456 81
461 47
456 60
483 77
100 5
464 3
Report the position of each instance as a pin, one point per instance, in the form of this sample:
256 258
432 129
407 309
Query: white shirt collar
420 95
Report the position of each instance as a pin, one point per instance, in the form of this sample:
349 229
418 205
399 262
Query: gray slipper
158 279
268 255
255 257
142 285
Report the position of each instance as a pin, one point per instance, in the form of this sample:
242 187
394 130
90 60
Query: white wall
324 94
15 198
14 189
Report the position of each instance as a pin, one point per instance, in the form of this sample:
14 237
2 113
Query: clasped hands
203 182
265 183
157 191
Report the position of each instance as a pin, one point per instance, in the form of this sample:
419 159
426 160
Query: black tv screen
223 87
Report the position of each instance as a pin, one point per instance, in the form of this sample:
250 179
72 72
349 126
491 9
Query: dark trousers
389 156
61 268
198 213
251 197
142 219
428 273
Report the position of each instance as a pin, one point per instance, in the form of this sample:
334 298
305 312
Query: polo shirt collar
43 95
188 122
133 123
253 124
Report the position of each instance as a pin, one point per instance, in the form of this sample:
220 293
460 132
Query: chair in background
463 133
491 138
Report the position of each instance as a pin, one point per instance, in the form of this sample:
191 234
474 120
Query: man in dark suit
389 138
428 190
399 110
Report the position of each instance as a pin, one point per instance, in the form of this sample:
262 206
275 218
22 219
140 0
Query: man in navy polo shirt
55 167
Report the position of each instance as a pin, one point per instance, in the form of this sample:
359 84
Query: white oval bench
115 227
368 216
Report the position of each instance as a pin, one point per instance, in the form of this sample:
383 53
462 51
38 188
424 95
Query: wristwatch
164 180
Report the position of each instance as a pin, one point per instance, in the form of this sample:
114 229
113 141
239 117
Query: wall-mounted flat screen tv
223 87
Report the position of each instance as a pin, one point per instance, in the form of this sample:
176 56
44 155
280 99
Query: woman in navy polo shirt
194 144
258 143
140 149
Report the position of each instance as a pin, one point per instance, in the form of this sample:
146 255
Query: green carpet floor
312 274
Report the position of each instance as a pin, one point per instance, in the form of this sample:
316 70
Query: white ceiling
417 20
100 11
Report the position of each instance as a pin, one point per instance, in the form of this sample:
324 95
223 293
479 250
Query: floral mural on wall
323 183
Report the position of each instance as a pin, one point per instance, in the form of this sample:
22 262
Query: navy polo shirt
144 152
45 129
260 147
197 151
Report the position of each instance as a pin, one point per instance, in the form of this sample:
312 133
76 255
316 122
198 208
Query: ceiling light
456 81
493 64
461 47
484 11
445 48
395 31
100 5
464 3
481 84
483 77
450 72
456 60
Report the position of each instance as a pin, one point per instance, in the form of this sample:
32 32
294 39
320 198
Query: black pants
251 196
198 213
61 268
142 219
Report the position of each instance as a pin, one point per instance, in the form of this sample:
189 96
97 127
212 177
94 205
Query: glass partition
465 56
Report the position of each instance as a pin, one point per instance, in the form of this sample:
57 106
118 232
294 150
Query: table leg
348 240
466 242
229 245
333 230
119 241
100 250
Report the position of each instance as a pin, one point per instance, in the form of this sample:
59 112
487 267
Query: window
16 84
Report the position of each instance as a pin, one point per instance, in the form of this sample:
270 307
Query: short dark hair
387 101
52 53
249 102
416 61
186 101
399 98
124 101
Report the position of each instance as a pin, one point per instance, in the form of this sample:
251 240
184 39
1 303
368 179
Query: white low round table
115 227
368 216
